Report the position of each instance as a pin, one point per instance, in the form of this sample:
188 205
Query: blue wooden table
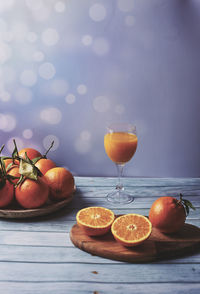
38 257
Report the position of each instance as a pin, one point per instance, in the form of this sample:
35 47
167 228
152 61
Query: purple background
69 68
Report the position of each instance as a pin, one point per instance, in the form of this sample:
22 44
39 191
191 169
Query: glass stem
120 169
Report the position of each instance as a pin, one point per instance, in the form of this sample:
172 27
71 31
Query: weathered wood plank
139 202
153 191
42 254
37 256
69 214
24 238
34 238
106 181
53 225
84 201
98 288
109 273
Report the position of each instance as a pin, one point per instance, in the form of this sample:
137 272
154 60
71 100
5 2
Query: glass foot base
119 197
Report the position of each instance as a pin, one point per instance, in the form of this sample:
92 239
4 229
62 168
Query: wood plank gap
46 246
97 282
33 231
115 263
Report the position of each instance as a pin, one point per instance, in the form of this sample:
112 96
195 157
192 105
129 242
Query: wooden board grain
158 246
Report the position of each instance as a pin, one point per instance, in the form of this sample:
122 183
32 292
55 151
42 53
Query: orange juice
120 146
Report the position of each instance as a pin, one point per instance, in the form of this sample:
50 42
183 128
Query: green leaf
36 159
187 210
20 181
9 166
27 158
38 171
188 203
45 155
6 157
2 148
27 169
15 151
3 167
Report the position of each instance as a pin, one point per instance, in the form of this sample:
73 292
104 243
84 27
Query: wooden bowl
15 211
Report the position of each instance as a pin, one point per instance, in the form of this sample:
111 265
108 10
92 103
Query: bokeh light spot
48 140
86 40
3 122
60 6
51 115
85 135
10 144
7 122
97 12
101 104
27 133
70 98
38 56
47 70
50 37
82 89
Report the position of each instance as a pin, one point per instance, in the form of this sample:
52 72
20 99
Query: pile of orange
167 214
29 178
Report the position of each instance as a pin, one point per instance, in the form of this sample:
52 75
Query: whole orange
32 193
44 165
14 171
167 214
31 153
6 193
60 181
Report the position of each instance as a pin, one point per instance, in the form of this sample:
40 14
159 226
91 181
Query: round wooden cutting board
158 246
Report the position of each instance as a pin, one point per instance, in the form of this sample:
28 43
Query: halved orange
95 221
131 229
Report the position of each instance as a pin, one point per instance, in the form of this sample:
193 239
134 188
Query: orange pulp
120 146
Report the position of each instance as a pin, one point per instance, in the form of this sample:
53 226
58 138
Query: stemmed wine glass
120 143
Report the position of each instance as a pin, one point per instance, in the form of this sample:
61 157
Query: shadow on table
77 202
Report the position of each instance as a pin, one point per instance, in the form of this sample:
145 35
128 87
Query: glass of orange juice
120 143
